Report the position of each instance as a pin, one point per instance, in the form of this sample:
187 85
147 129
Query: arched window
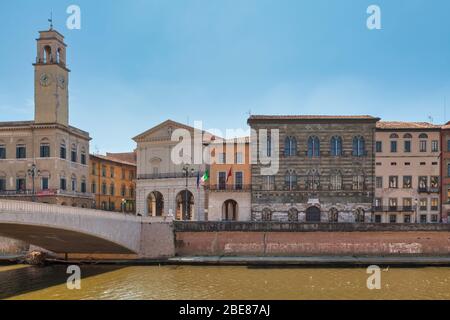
423 136
313 180
359 147
336 181
290 146
407 136
336 146
291 179
313 147
269 145
73 154
47 54
359 181
394 136
83 156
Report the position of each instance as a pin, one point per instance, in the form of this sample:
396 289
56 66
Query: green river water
199 283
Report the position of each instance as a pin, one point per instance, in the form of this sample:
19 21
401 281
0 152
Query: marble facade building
326 169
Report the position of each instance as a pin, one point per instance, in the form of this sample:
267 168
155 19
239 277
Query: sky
136 63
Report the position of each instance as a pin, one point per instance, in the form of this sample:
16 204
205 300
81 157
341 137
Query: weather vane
51 20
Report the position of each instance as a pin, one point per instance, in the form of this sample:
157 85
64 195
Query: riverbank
301 262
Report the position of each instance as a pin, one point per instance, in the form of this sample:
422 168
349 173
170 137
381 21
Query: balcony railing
428 190
232 188
394 209
170 175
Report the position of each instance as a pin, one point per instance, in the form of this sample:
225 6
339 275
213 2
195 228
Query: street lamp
187 170
124 202
33 172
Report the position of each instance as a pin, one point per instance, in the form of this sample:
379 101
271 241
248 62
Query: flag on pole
205 177
230 174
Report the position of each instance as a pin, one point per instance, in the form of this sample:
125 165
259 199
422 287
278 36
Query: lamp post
186 170
33 172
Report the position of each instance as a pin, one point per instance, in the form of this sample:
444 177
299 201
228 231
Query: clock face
61 82
45 80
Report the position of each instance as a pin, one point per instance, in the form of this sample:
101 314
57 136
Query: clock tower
51 79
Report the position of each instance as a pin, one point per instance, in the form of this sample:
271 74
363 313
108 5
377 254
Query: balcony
229 188
394 209
429 190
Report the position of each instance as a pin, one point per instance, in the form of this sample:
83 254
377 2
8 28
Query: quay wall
278 239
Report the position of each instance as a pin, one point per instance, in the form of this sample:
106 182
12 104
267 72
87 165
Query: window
2 152
434 218
423 183
377 218
74 184
104 171
336 146
290 180
44 183
393 146
407 204
379 147
112 189
336 181
123 174
407 218
378 203
448 145
62 151
434 146
123 191
407 164
313 147
83 186
269 183
94 188
393 182
434 183
21 151
423 204
423 218
45 150
393 204
2 184
313 180
131 175
63 183
434 204
407 182
239 180
104 189
73 154
83 158
407 146
290 147
94 169
221 158
379 182
222 181
392 218
112 172
358 182
423 146
21 184
239 158
359 147
448 169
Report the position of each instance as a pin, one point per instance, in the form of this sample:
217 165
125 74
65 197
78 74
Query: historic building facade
166 188
407 172
326 168
46 160
445 172
229 187
113 182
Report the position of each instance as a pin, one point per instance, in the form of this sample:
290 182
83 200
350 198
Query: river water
198 283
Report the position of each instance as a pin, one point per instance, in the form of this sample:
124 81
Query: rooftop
312 117
406 125
112 159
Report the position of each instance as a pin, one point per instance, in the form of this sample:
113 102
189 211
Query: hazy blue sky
136 63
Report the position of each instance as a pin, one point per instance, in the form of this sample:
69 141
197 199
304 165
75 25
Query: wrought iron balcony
229 188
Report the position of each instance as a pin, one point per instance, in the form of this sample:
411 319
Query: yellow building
113 181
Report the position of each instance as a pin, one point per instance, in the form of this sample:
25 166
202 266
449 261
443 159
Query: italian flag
205 177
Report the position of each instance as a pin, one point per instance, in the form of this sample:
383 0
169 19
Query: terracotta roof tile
406 125
311 117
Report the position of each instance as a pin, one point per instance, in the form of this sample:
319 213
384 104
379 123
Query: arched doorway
230 210
185 205
155 204
313 214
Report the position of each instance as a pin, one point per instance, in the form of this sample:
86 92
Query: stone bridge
71 230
